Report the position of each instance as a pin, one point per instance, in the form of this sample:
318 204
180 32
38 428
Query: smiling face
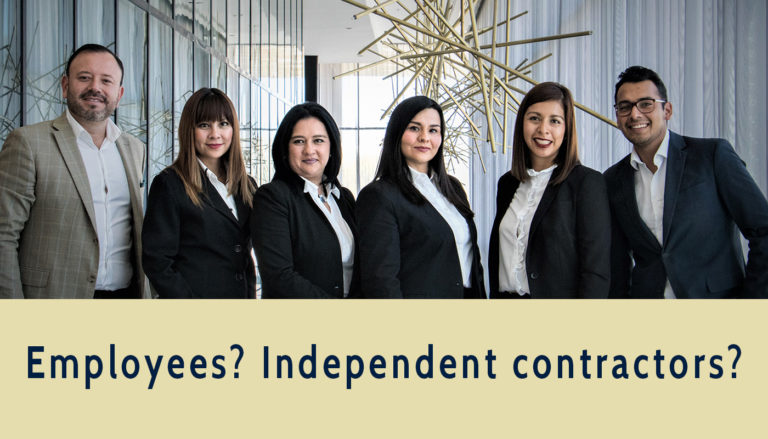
646 131
422 139
309 149
212 141
92 86
543 131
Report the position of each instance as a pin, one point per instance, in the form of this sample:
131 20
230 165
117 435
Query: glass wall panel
233 86
203 21
95 23
255 135
10 68
182 10
132 48
348 174
369 152
244 117
233 31
202 68
164 6
219 26
219 73
245 36
182 82
160 97
48 43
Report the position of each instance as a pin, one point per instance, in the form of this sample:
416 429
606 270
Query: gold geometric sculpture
439 44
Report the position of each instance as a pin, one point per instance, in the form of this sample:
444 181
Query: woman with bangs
551 237
196 238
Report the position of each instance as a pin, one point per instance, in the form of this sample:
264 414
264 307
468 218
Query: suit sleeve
160 239
271 233
749 210
17 194
379 244
593 228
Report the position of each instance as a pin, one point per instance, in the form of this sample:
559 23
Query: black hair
95 48
640 74
394 168
283 169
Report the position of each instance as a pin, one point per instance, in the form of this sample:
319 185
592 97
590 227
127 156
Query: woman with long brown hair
552 234
196 237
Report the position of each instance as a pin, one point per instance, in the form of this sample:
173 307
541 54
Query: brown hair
568 156
207 105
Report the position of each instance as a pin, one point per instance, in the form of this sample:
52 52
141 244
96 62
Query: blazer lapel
629 199
67 144
675 165
132 170
214 200
546 200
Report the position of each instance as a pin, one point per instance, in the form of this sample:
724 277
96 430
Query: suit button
238 248
238 276
92 278
534 275
335 287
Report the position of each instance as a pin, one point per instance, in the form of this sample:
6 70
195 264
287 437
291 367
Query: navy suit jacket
297 250
408 250
568 250
196 251
708 194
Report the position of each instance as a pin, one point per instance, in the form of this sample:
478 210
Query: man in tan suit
70 194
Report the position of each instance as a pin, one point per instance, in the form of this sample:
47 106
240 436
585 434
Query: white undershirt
649 191
461 235
514 229
111 205
340 227
221 188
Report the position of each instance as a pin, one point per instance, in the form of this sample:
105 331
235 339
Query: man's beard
77 109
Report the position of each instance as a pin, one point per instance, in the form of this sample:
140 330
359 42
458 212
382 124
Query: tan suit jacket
48 242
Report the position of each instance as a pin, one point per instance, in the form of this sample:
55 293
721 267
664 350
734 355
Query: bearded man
71 203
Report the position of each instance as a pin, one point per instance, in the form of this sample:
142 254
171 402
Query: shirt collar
420 176
311 188
113 131
547 171
208 173
658 158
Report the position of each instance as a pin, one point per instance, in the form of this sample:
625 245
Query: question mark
735 360
239 357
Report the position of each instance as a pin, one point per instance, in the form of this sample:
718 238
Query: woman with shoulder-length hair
196 237
417 234
551 237
305 235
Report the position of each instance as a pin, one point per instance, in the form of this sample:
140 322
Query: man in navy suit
678 204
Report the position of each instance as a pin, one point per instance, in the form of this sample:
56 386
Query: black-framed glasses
646 105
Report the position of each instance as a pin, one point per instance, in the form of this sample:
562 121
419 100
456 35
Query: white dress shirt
340 227
111 205
649 191
514 229
461 235
221 188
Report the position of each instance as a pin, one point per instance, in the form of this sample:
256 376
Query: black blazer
708 193
408 250
297 251
196 251
568 252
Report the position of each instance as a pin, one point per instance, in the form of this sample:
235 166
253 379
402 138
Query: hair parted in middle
211 105
568 154
282 140
393 166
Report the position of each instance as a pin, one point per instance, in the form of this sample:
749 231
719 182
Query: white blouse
461 235
221 188
514 229
340 227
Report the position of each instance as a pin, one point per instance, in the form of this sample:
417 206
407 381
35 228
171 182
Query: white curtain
711 55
